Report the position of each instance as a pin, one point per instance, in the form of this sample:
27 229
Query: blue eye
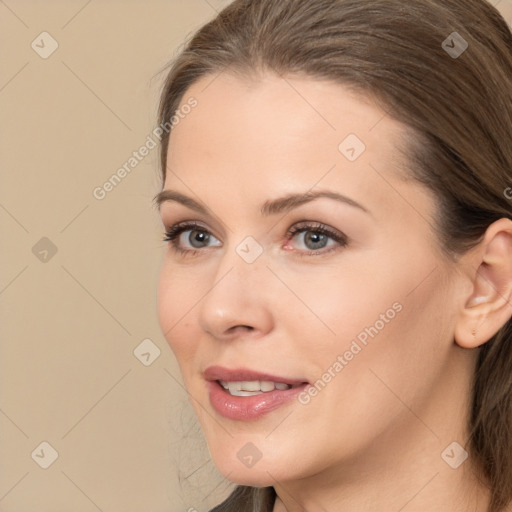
316 238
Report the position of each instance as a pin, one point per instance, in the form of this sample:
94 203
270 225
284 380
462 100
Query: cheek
175 301
392 340
336 304
393 322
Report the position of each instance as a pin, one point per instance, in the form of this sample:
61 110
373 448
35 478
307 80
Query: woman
337 284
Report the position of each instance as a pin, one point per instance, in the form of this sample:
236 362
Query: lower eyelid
324 251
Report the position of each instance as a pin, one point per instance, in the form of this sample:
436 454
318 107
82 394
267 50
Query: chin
255 473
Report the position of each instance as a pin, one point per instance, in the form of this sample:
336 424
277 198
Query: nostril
244 327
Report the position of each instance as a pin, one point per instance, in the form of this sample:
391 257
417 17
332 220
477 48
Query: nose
238 302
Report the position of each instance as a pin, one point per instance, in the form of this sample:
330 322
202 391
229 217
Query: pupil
198 236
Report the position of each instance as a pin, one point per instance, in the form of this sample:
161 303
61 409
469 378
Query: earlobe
489 306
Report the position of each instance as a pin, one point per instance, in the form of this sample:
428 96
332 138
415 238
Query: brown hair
458 109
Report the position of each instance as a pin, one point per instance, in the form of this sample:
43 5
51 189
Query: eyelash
171 236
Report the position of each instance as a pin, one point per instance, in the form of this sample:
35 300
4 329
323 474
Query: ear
489 304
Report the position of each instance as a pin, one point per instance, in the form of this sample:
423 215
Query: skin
372 438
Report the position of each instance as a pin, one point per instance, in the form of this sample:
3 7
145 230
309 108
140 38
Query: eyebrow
271 207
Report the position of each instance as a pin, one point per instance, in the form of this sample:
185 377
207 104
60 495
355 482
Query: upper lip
245 374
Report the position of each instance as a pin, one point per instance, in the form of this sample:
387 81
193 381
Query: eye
194 234
315 236
188 238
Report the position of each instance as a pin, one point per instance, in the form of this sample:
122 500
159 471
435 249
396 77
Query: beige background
70 321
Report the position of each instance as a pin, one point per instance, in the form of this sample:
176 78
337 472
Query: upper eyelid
189 224
169 225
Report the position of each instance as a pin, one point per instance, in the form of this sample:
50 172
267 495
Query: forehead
268 110
255 135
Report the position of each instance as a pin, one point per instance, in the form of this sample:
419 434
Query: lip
248 408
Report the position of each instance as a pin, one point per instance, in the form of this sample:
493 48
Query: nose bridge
239 293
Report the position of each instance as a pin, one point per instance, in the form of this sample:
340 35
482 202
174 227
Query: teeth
266 385
235 386
253 387
245 393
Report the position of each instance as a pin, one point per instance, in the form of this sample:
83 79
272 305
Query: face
345 297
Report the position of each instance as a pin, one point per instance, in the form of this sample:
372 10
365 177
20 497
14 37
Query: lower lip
247 408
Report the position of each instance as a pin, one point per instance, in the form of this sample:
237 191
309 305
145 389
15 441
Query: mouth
254 387
243 379
247 394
